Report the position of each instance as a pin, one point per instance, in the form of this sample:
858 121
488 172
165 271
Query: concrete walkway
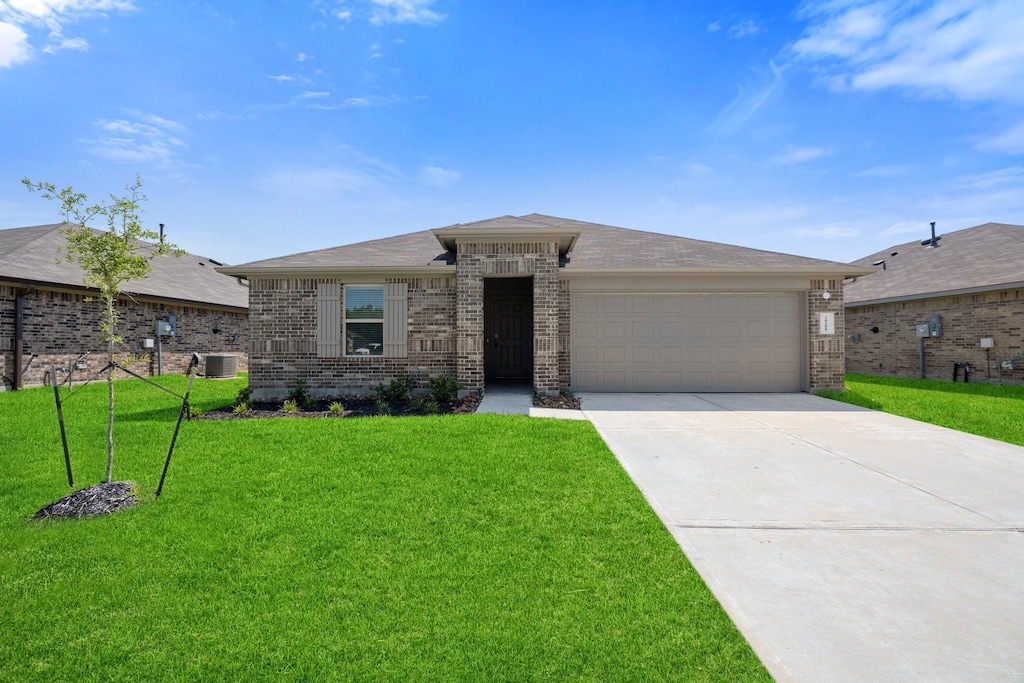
517 399
846 544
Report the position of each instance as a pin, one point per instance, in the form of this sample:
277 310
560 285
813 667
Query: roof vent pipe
934 243
162 232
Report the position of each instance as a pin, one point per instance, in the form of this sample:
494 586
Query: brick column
826 351
469 341
546 308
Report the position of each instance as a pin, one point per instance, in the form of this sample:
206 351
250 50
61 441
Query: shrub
431 407
397 390
444 388
244 395
241 408
416 403
382 406
289 406
300 394
336 408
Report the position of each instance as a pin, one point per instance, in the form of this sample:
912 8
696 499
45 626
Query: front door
508 331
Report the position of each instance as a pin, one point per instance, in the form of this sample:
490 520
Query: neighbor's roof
31 255
598 248
985 257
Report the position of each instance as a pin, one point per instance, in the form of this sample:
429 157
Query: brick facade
60 325
539 260
446 327
825 351
282 316
893 350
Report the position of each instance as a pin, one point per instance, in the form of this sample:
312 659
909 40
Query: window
364 320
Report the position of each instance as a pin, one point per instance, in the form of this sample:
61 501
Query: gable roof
591 247
985 257
31 256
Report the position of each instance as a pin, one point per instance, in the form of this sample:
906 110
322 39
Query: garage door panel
687 342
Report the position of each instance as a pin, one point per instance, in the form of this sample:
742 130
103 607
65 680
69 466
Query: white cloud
749 100
1010 141
372 101
745 28
714 26
404 12
1012 175
798 155
829 232
147 138
51 16
435 176
281 78
301 181
14 47
965 49
887 171
79 44
314 94
343 13
907 228
302 56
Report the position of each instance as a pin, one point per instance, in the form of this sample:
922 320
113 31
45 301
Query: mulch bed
101 499
354 406
563 401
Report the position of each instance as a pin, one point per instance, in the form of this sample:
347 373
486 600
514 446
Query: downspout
19 333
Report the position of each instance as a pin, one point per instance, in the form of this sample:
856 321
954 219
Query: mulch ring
562 401
352 406
101 499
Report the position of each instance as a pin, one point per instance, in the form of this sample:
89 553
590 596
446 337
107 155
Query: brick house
973 279
559 303
46 310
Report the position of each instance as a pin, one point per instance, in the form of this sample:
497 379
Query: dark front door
508 330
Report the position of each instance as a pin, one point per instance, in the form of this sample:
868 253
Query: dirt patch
562 401
352 406
101 499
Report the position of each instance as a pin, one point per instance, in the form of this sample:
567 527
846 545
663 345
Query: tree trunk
110 394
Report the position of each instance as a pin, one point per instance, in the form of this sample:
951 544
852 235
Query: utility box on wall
923 331
935 325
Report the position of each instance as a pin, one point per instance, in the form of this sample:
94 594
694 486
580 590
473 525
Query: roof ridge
43 234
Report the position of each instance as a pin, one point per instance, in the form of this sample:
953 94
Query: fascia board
568 272
935 295
329 271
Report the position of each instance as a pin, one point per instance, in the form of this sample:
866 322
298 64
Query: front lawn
472 547
991 410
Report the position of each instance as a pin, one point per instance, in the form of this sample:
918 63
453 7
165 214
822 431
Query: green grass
472 547
990 410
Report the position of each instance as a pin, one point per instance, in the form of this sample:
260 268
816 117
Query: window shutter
396 315
328 320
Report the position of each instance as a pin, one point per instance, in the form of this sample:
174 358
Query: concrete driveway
846 544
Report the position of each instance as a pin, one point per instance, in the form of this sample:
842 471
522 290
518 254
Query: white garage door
686 342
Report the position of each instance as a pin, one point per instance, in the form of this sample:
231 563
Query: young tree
109 258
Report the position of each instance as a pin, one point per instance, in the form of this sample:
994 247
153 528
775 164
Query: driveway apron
846 544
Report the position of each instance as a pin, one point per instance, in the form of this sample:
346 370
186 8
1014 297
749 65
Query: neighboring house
558 303
973 279
46 310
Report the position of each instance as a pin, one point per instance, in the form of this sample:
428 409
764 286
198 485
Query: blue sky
827 128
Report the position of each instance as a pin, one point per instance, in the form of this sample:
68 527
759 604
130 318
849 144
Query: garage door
686 342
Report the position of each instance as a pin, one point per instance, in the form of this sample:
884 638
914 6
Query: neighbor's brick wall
61 325
893 350
479 260
825 351
282 315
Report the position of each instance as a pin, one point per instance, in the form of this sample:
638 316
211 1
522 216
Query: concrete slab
846 544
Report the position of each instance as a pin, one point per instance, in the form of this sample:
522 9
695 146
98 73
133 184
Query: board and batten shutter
328 320
396 315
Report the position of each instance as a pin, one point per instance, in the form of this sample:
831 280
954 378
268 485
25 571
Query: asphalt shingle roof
31 255
980 257
599 247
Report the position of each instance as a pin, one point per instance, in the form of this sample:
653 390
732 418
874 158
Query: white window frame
345 320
